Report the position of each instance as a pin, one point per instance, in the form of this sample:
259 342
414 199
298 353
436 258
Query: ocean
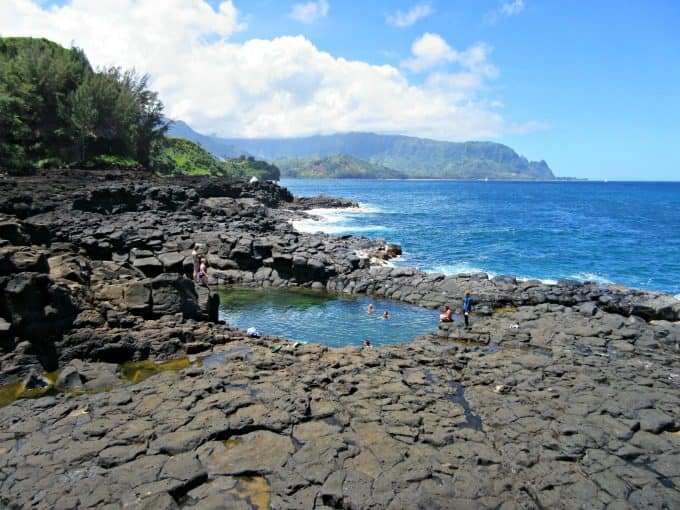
624 233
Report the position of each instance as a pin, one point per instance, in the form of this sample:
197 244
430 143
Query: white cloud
310 11
506 9
512 8
430 50
280 87
406 19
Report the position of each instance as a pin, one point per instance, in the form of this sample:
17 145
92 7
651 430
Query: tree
54 106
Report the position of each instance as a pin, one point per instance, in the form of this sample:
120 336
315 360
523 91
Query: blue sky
591 87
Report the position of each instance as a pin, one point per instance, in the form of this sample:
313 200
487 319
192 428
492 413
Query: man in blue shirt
467 307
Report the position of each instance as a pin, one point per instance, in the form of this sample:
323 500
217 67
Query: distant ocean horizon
616 232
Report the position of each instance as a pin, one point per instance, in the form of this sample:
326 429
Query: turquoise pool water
315 317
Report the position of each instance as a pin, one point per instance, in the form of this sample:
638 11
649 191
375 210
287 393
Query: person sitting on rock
202 276
446 315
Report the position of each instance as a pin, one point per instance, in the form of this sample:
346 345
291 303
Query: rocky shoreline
559 396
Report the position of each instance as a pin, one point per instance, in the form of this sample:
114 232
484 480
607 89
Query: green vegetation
56 111
177 156
336 167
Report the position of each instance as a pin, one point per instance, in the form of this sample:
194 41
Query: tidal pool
318 317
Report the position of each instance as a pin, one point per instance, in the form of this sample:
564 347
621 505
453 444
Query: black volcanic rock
557 396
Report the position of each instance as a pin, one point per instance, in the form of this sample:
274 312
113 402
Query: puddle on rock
136 371
583 349
492 348
231 443
472 421
504 309
9 393
254 490
218 357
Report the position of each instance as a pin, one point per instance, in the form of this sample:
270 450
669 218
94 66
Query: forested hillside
55 110
178 156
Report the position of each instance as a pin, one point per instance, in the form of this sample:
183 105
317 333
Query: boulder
172 261
137 297
171 294
13 231
75 268
38 307
17 260
6 336
208 302
150 266
70 379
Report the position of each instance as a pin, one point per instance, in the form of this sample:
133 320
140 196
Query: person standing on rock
197 264
467 307
202 276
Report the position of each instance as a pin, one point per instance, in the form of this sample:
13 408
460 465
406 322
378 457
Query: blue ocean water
624 233
315 317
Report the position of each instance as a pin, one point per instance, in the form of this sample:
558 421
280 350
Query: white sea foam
547 281
677 296
453 269
590 277
336 220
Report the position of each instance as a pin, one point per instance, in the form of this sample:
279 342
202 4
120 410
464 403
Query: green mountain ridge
338 166
179 156
414 157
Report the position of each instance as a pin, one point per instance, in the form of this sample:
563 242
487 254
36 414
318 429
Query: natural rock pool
310 316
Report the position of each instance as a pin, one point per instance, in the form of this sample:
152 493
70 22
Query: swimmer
386 315
370 308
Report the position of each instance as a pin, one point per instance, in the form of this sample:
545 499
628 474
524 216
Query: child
202 276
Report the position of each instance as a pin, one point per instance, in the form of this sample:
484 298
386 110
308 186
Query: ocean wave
453 269
336 220
591 277
547 281
311 227
677 296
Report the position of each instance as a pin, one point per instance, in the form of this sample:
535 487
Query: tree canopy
55 110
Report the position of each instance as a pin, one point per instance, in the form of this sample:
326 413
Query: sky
592 88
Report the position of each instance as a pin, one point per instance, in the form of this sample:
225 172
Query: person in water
467 307
386 315
446 315
370 308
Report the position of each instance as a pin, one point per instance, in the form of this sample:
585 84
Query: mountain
218 146
415 157
337 166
